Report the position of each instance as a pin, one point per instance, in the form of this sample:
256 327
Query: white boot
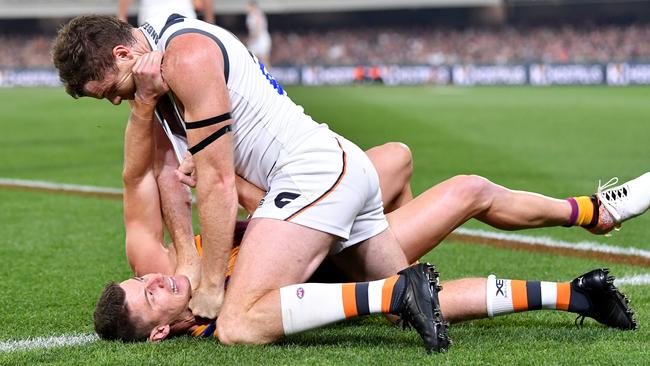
627 200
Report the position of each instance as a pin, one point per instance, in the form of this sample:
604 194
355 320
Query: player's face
157 299
116 85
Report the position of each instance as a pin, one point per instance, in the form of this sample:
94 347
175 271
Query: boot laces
612 194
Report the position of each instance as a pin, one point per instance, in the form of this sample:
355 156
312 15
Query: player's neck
184 325
141 45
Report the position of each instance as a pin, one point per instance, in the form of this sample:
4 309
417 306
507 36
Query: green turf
57 251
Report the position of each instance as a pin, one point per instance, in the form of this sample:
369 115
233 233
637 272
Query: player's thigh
377 257
425 221
393 162
274 254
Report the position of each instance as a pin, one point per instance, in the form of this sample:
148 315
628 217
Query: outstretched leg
591 295
425 221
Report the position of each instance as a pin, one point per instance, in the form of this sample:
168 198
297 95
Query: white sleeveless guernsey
312 176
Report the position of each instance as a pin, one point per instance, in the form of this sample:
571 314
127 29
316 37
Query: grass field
58 251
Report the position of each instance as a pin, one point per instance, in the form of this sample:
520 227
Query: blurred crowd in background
415 45
422 45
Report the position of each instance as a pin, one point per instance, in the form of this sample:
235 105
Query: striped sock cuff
512 296
364 298
574 212
498 299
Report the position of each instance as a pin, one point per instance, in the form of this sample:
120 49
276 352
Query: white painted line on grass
47 342
642 279
40 185
50 186
546 241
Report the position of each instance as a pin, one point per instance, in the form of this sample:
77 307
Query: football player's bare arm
248 195
142 217
194 70
176 202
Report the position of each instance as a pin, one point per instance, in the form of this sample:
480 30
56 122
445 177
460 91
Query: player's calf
590 295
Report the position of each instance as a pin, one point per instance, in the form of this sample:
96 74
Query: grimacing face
117 84
157 299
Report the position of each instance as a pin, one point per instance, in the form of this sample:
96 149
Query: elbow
129 178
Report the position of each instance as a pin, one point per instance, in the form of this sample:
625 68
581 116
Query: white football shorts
327 184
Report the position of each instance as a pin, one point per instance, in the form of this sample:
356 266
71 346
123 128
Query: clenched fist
206 301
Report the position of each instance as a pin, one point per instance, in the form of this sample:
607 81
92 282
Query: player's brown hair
82 50
112 318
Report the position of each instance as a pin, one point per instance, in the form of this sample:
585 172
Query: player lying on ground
323 192
155 305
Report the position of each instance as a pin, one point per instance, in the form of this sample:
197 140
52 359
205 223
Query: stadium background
461 42
584 118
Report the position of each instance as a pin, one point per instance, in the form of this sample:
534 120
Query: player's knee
402 154
228 331
474 189
237 329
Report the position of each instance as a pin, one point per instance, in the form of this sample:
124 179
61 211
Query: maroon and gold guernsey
210 329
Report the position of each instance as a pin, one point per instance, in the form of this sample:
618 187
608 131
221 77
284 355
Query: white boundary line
636 280
47 342
586 246
51 186
65 188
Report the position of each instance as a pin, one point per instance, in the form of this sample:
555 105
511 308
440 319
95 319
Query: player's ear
122 53
159 333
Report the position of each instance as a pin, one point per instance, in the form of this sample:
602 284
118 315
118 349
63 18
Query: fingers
148 77
205 306
188 180
185 172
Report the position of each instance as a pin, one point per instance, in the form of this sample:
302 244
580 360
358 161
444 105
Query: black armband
208 122
210 139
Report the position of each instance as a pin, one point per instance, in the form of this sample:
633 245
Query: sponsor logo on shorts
284 198
300 292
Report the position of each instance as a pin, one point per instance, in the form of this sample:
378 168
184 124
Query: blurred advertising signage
628 74
389 75
569 74
489 74
29 77
415 75
288 75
